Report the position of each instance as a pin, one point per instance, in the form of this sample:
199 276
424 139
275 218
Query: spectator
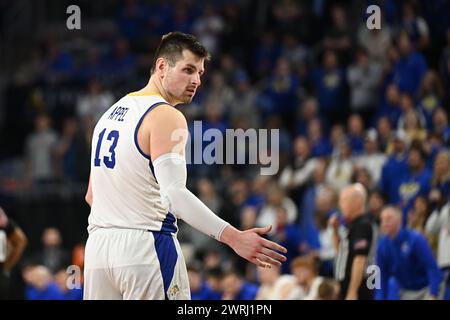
339 36
390 105
95 102
407 106
234 287
363 78
307 111
221 93
376 204
328 82
299 171
307 274
40 284
431 96
52 255
281 91
320 145
441 125
384 131
406 255
395 167
413 126
71 153
243 102
328 290
59 64
410 69
39 150
200 290
275 286
208 28
371 159
417 180
288 235
375 41
275 199
326 207
308 202
340 170
418 215
355 125
415 26
213 280
441 176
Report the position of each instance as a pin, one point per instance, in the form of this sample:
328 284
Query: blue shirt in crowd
407 258
205 293
394 169
248 291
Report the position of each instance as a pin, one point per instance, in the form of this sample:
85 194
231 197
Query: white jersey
124 188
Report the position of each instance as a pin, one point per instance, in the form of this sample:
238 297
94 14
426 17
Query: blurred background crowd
351 104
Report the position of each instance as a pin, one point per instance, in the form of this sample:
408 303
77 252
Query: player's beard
186 98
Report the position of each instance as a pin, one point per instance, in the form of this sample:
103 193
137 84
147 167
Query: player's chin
187 98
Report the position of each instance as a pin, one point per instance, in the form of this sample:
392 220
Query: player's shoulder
166 115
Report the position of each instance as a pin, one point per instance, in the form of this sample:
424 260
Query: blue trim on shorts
167 256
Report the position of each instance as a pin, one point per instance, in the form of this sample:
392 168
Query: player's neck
154 87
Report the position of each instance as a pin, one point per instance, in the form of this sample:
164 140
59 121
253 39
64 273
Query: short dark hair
172 45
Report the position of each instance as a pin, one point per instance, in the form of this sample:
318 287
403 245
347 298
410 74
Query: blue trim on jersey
152 169
146 156
168 224
167 256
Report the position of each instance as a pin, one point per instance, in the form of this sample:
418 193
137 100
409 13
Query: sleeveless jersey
124 188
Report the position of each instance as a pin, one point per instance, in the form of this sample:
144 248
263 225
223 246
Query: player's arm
167 129
88 196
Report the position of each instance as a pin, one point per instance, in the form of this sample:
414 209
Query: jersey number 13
108 160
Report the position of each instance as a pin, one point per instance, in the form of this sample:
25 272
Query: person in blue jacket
406 256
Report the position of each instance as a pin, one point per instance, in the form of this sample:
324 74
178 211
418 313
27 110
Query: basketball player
137 188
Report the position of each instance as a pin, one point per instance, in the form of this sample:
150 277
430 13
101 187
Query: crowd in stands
351 105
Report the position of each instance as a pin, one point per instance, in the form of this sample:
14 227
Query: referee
354 244
12 244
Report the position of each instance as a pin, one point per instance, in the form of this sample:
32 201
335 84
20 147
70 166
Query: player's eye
189 70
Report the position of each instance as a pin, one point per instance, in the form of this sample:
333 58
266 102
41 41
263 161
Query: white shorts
134 264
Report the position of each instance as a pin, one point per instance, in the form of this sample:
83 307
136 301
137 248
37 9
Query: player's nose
196 80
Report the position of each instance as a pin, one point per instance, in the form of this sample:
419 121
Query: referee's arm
17 242
358 265
361 246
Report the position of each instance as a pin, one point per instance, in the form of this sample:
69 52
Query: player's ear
161 65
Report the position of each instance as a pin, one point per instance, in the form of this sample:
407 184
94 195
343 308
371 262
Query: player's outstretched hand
251 246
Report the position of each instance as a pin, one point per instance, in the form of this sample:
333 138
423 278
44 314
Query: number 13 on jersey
108 160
